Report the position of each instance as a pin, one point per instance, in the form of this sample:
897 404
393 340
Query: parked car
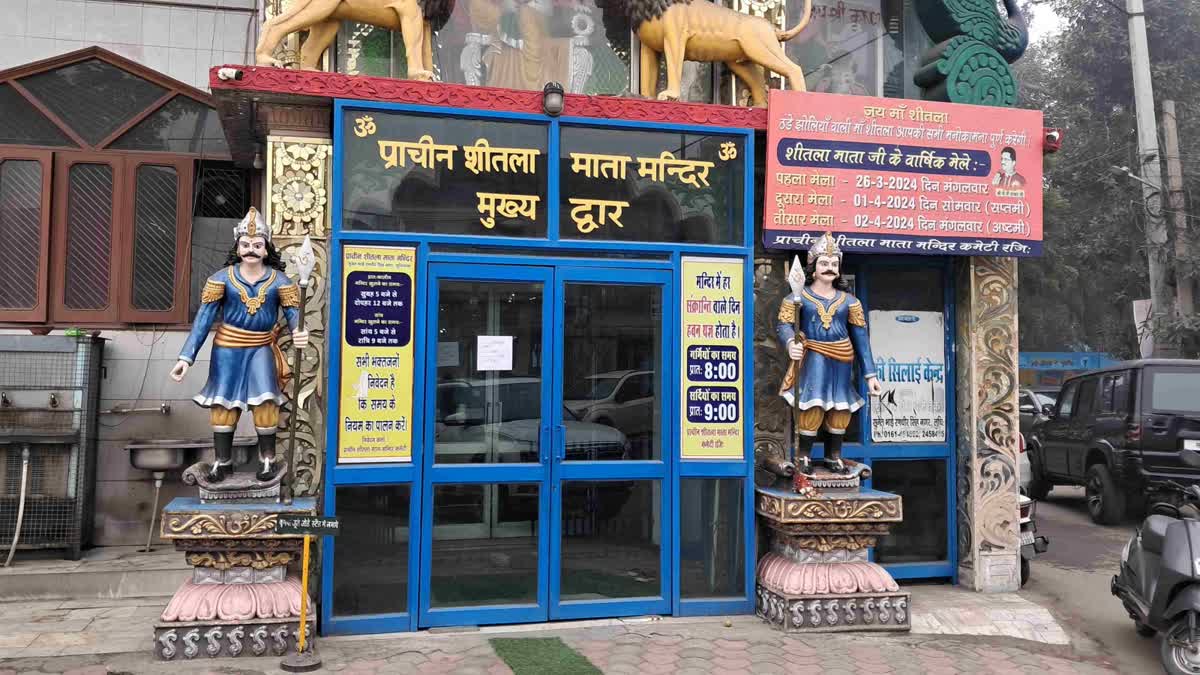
1030 404
1119 432
471 428
622 399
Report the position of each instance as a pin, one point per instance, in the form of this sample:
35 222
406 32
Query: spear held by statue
305 261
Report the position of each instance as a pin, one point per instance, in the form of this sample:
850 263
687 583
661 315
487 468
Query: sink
174 454
163 454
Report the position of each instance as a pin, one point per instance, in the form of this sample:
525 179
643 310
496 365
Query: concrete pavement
732 646
1072 579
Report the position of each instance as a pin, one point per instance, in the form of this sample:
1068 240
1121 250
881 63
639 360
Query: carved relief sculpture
973 46
417 21
698 30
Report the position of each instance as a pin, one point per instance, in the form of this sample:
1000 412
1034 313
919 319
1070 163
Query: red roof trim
312 83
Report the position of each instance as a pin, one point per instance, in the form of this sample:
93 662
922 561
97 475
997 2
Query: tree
1079 295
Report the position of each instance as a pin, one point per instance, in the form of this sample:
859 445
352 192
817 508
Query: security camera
226 74
1052 140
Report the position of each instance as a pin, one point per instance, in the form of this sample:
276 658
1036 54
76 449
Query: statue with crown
247 371
824 330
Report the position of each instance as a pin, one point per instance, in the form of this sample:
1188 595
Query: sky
1044 23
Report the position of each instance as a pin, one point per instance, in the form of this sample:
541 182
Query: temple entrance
546 483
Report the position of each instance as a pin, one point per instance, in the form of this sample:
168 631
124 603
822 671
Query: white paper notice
447 354
494 352
909 350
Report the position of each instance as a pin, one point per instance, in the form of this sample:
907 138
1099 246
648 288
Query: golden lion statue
698 30
417 21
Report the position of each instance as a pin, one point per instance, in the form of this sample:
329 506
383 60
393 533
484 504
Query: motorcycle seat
1154 531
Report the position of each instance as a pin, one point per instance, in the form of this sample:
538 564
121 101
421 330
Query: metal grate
20 230
89 236
94 98
154 238
23 124
49 396
221 192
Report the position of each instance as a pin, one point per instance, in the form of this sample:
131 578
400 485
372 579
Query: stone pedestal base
181 641
818 576
829 596
240 601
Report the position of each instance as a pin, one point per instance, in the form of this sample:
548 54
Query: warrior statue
248 370
823 328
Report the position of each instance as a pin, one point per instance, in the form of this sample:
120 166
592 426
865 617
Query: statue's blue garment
239 377
825 381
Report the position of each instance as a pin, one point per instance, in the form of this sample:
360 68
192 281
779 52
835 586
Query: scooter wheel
1178 655
1024 570
1143 630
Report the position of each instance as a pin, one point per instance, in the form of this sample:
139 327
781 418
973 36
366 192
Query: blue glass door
547 480
486 496
613 444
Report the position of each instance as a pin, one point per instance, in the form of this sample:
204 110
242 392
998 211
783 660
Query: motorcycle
1159 582
1031 543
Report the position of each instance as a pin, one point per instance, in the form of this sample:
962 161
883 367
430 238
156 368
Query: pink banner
903 176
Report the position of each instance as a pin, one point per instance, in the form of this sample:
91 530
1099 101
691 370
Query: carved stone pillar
296 200
988 521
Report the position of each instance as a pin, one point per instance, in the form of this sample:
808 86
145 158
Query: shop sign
712 340
910 361
903 177
491 177
375 393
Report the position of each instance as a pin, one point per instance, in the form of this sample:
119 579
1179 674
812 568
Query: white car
623 399
1024 475
506 428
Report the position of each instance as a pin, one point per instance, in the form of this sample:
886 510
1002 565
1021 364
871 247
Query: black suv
1118 432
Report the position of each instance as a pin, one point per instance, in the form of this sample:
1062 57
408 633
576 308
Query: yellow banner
376 388
712 357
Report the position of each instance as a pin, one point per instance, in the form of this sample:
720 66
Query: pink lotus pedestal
817 576
241 599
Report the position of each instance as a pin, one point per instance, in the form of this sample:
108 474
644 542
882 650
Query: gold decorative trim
826 313
214 290
298 186
252 304
857 318
827 543
209 525
224 561
289 296
800 509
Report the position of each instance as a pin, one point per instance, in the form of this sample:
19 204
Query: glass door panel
611 549
612 372
486 499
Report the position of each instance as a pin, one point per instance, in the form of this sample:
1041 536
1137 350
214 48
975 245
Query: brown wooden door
86 233
157 239
25 179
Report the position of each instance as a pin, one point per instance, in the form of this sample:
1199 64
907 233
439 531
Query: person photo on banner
1007 177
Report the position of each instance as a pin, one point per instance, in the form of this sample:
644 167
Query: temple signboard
492 177
904 177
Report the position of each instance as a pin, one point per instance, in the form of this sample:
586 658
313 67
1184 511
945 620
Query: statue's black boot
833 454
222 466
803 459
266 456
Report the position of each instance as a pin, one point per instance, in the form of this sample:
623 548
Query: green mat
541 656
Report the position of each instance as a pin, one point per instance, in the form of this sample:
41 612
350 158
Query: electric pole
1148 169
1179 217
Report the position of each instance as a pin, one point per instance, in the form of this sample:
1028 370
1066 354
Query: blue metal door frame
660 470
439 474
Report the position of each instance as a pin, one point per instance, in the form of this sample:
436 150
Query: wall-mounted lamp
258 163
552 99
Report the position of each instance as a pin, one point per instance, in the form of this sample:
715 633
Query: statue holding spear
824 330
